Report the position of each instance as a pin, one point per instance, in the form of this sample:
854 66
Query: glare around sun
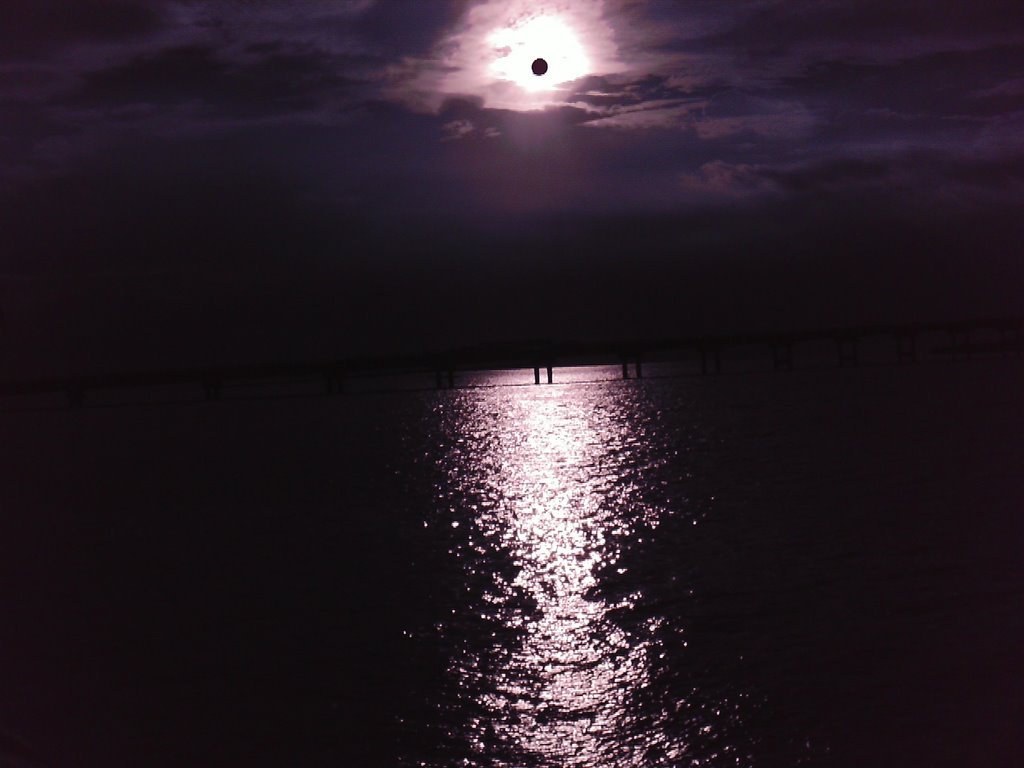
547 37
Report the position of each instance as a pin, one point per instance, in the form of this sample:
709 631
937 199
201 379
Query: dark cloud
936 84
866 28
33 27
24 121
839 174
603 92
408 29
271 79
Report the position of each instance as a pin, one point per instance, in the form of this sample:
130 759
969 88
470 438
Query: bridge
960 339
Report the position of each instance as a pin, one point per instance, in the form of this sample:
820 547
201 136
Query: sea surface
808 568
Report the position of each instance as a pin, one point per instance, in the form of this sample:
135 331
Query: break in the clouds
490 52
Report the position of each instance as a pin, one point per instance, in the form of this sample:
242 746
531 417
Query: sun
546 37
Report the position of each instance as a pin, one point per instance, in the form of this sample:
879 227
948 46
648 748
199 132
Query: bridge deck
540 354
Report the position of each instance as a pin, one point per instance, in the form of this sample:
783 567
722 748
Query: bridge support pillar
1009 339
550 372
625 367
335 382
710 360
536 374
849 353
960 342
212 388
782 356
906 348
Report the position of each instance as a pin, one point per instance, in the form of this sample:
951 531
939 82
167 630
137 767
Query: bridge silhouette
962 339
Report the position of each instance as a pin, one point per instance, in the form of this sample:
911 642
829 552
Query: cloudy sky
191 181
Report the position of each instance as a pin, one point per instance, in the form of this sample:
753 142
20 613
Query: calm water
814 568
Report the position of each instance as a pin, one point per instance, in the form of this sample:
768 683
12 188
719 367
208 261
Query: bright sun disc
546 37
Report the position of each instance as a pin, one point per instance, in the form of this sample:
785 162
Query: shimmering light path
551 479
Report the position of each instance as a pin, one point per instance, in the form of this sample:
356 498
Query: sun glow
490 54
547 37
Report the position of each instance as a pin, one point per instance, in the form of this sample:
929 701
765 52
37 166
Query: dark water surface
813 568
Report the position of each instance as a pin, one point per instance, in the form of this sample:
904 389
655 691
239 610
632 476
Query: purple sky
234 180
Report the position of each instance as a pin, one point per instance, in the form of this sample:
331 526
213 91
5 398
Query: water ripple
547 485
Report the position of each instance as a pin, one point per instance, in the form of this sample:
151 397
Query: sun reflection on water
552 686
